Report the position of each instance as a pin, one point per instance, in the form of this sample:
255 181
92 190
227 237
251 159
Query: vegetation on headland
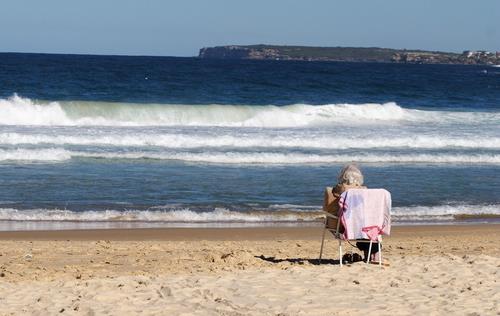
353 54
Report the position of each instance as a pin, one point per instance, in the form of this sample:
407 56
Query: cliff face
267 52
241 52
353 54
225 52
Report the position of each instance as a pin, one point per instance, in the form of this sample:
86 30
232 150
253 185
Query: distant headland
350 54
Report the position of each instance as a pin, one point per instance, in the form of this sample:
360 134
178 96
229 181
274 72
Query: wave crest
167 140
265 158
221 215
23 111
177 215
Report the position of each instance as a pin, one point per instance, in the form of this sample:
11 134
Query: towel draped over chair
365 215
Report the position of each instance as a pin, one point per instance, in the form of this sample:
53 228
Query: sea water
109 141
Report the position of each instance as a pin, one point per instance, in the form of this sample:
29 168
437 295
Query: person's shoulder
345 187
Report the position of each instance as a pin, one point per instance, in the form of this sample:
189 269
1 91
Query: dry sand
434 270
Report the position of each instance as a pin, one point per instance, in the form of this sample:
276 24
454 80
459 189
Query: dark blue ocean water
183 140
196 81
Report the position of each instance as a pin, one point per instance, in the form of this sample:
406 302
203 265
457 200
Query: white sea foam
59 154
22 111
444 212
179 215
221 215
51 154
297 158
249 140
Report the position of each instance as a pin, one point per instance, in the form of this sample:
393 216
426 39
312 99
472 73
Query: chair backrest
365 213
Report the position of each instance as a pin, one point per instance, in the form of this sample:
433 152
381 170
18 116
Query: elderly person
350 177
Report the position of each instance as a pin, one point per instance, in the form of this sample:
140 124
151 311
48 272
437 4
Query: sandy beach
433 270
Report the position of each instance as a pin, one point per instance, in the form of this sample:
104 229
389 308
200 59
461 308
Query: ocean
116 141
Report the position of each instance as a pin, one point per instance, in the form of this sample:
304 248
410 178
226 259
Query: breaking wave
35 155
265 158
180 215
445 212
248 141
23 111
297 158
438 213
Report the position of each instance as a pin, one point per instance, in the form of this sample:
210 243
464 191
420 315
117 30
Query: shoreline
70 225
229 233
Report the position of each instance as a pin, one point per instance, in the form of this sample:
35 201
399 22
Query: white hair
351 175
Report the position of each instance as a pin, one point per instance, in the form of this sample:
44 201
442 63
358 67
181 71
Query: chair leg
369 252
322 242
340 252
380 253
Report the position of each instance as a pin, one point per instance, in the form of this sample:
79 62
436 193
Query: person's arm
329 204
325 201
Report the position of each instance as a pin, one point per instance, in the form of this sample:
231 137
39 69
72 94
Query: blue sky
180 28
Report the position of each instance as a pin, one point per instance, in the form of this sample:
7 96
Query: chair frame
338 236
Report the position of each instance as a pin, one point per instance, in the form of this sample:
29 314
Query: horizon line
225 45
94 54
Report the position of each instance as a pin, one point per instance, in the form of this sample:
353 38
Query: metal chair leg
322 242
340 252
369 253
380 253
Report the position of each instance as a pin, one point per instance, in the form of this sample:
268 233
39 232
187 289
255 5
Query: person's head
351 175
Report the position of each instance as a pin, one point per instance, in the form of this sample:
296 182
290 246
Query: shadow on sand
299 260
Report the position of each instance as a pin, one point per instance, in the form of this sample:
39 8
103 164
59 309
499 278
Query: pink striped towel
365 213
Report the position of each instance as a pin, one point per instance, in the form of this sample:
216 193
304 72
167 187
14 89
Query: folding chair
337 234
